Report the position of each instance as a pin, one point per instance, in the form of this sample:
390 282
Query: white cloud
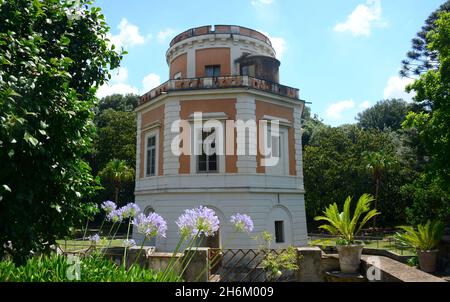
117 84
364 105
164 34
395 88
361 20
118 88
119 75
128 36
335 110
278 43
150 81
262 2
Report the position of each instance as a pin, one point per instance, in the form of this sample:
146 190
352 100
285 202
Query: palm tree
377 163
118 171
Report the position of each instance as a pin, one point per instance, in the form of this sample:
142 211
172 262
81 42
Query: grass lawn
83 245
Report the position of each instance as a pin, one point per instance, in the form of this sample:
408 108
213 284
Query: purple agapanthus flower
129 211
152 225
108 206
94 238
129 243
115 216
195 222
242 222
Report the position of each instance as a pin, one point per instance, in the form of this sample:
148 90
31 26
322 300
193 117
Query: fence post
198 268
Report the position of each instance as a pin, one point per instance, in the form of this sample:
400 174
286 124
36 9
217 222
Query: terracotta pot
427 260
350 257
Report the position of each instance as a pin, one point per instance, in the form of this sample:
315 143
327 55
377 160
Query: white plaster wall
258 205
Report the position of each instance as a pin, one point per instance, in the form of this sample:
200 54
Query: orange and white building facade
226 74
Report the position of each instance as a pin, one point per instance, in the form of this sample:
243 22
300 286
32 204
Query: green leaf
30 139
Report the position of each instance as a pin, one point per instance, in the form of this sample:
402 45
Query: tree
433 87
421 58
119 102
433 126
53 56
377 163
117 171
310 126
386 114
334 168
115 138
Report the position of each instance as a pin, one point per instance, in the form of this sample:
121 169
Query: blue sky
343 55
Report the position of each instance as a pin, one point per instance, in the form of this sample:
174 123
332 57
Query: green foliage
343 224
57 268
429 201
432 124
384 115
116 131
118 172
118 102
274 264
334 167
413 261
421 58
51 63
425 237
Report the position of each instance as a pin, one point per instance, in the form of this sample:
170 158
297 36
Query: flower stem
126 247
139 254
85 229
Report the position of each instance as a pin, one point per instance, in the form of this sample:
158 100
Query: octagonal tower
227 73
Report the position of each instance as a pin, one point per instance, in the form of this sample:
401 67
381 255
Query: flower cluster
94 238
242 222
114 216
129 211
108 206
195 222
152 225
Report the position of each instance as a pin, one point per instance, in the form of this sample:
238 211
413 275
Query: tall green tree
433 126
334 168
54 54
118 172
384 115
377 162
421 58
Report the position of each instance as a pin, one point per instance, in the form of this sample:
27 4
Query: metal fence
244 265
389 243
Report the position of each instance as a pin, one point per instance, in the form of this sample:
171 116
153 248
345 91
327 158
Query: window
212 71
279 231
279 148
207 163
177 76
151 155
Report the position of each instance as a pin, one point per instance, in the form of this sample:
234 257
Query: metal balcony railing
220 83
220 29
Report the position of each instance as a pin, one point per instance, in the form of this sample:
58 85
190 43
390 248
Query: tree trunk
377 188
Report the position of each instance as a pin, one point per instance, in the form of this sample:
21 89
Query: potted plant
425 240
346 227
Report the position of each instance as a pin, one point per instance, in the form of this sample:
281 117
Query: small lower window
279 231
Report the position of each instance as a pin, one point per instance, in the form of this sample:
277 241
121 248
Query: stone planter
427 260
350 258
